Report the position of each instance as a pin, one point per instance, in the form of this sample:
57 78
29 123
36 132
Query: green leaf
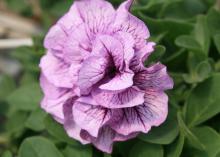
78 151
188 42
7 85
164 134
157 38
175 149
60 7
28 78
184 9
217 66
210 138
199 73
38 147
3 111
25 98
56 130
193 60
173 28
203 103
200 40
7 154
187 132
36 120
213 21
201 33
28 56
147 5
107 155
20 6
217 42
15 124
199 66
156 55
141 149
122 147
203 70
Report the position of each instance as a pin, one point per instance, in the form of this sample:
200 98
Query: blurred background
23 20
187 33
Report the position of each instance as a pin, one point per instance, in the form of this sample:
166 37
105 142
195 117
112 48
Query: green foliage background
188 36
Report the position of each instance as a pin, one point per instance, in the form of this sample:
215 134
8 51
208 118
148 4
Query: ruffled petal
55 106
104 141
93 77
55 40
98 15
54 98
58 34
127 4
92 70
152 112
128 98
87 100
128 45
119 82
57 71
110 48
77 46
72 129
71 19
89 117
157 104
124 78
125 21
140 56
119 137
106 138
49 90
155 76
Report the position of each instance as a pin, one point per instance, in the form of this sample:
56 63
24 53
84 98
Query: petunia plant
93 76
117 78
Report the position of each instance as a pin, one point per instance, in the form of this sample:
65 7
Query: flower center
112 71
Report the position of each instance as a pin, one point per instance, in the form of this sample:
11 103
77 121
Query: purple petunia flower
93 77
